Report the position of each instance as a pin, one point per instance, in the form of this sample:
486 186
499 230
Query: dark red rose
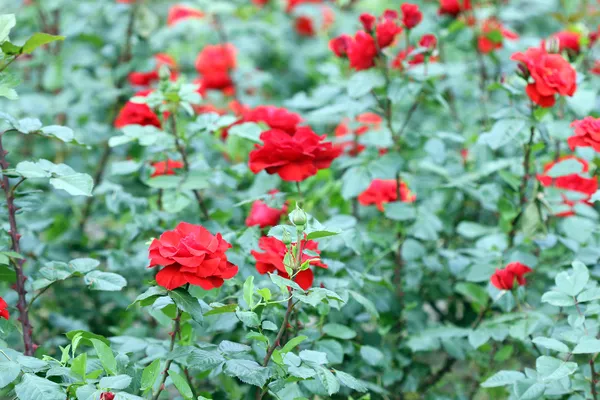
492 35
368 121
263 215
191 254
453 7
551 75
340 45
293 158
504 279
137 114
274 117
368 21
271 259
567 41
180 12
428 41
386 32
107 396
4 309
147 78
382 191
411 15
214 64
587 133
165 167
362 51
573 182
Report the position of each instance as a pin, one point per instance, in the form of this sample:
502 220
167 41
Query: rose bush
299 199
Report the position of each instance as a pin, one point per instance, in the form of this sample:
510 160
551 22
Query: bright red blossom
573 182
147 78
180 12
4 309
454 7
165 167
411 15
340 45
386 31
274 117
137 114
367 20
587 133
368 121
504 279
492 35
271 259
428 41
568 41
191 254
293 158
214 64
382 191
107 396
263 215
551 75
362 51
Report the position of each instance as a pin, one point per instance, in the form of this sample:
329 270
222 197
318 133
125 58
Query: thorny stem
18 263
482 82
186 166
176 331
522 187
594 380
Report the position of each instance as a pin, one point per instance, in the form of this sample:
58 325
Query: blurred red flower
180 12
165 167
4 309
411 15
587 133
453 7
492 35
362 51
382 191
137 114
504 279
573 182
147 78
214 64
263 215
275 117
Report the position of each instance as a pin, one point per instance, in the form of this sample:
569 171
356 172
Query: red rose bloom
107 396
214 63
386 32
362 51
191 254
166 167
368 21
453 7
180 12
492 35
414 59
368 121
504 279
137 114
572 182
272 259
340 45
587 134
305 26
274 117
568 41
428 41
382 191
147 78
4 309
596 68
263 215
411 15
551 75
293 158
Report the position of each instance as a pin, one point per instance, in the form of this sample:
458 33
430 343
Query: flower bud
553 45
164 73
298 217
286 238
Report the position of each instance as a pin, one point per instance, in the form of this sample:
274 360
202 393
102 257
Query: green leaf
362 82
181 384
249 291
558 299
7 22
399 211
289 346
587 346
503 132
39 39
118 382
150 375
247 130
366 303
107 281
313 357
248 318
228 308
185 302
86 336
76 184
321 234
572 284
231 347
529 389
284 283
33 387
552 369
106 356
473 292
552 344
350 381
203 360
60 132
149 296
83 265
339 331
9 370
247 371
371 355
503 378
329 381
589 295
79 365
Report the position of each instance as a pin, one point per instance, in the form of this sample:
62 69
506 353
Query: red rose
293 3
414 59
368 121
214 63
386 32
367 20
305 26
272 259
137 114
596 68
551 75
453 7
411 15
274 117
293 158
492 35
428 41
504 279
107 396
191 254
382 191
340 45
572 182
362 51
567 41
4 309
263 215
587 133
166 167
180 12
147 78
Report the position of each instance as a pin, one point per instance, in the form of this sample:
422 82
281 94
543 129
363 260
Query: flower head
4 309
214 63
340 45
492 36
587 134
504 279
411 15
274 117
362 51
180 12
573 182
165 167
382 191
147 78
263 215
454 7
137 114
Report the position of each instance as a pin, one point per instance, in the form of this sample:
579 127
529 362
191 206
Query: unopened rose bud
522 71
286 238
107 396
164 73
553 45
298 217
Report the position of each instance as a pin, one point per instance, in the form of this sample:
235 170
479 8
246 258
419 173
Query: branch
176 330
594 380
522 188
18 264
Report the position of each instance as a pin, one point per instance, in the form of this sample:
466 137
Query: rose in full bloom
293 158
107 396
214 63
4 309
573 182
492 36
137 114
191 254
504 279
368 121
147 78
271 259
180 12
362 51
567 41
587 134
411 15
340 45
551 75
454 7
387 29
263 215
382 191
275 117
165 167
